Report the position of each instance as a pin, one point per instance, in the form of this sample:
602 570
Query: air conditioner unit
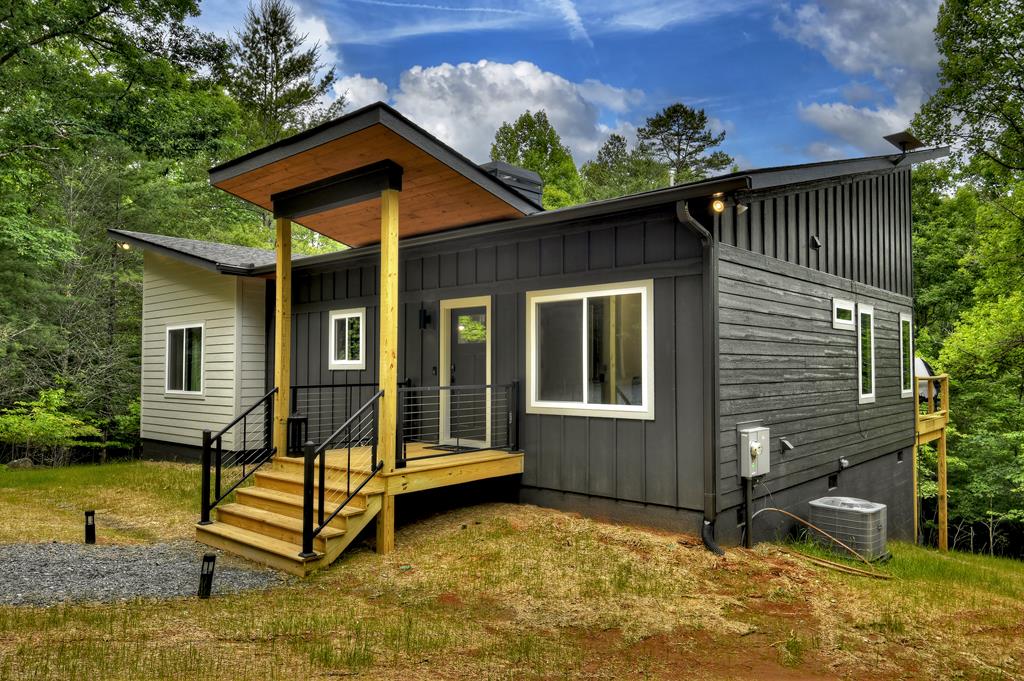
857 523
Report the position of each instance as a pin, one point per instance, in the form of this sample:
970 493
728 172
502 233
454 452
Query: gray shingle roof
221 257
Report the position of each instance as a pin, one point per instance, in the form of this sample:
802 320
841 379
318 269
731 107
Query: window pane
340 335
175 358
353 339
865 355
472 328
615 350
559 351
844 314
908 361
193 359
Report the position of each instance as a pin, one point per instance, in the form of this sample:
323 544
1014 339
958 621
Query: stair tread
277 519
287 498
297 479
278 547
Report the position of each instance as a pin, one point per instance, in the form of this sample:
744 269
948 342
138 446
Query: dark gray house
642 357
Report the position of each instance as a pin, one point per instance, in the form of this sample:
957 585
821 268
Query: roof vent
524 182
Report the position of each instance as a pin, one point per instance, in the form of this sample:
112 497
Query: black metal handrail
452 419
359 430
248 453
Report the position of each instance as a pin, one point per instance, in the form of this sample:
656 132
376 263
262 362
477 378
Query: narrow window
866 353
345 344
833 481
906 355
184 359
589 351
842 315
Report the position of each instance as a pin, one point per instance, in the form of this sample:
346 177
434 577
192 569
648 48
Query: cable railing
232 454
323 407
354 442
435 421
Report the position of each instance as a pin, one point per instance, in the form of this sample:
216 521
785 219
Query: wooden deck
930 422
264 524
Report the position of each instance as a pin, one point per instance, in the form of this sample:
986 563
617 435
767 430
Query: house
679 357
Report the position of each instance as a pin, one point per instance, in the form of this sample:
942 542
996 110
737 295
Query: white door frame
444 364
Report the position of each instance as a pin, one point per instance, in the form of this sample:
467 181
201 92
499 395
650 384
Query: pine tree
679 136
275 82
618 170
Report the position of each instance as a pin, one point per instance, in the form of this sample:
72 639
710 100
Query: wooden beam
343 189
943 500
282 333
388 367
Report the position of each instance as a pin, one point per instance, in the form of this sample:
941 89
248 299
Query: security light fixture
90 527
206 575
718 205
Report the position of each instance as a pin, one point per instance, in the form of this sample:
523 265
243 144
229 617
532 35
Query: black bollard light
90 527
206 575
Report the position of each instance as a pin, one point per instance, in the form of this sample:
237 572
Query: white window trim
907 392
644 411
335 364
202 358
865 398
842 324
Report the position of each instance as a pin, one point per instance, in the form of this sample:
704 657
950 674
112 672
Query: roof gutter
710 372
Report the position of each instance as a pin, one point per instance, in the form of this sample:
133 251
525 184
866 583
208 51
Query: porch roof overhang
365 151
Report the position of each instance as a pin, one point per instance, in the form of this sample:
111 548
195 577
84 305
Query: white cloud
888 40
360 91
463 104
571 17
823 151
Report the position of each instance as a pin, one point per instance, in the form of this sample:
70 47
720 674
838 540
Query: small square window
184 359
842 315
345 346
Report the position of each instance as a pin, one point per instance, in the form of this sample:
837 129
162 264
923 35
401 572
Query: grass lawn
507 592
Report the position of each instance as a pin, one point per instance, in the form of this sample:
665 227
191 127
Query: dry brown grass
517 592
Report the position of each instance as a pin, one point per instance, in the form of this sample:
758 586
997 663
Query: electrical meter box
755 454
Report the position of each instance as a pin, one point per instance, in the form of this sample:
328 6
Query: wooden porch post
388 368
282 334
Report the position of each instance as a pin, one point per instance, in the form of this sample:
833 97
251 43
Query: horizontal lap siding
782 362
863 226
656 462
176 293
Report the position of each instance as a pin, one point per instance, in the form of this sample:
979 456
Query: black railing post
513 415
373 439
268 427
217 462
309 456
399 431
204 503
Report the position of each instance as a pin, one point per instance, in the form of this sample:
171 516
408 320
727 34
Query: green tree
531 142
618 170
978 105
276 82
679 137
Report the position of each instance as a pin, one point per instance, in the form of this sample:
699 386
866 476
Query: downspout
710 372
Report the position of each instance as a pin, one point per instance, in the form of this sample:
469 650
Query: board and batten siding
863 225
232 311
653 462
781 361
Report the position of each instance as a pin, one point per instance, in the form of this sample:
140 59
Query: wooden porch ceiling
440 188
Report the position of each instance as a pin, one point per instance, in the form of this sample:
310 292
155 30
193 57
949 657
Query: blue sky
789 82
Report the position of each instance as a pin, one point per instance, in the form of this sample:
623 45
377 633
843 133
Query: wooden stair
264 524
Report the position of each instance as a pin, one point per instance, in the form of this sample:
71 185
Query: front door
465 369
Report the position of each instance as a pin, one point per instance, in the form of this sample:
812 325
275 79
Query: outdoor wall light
90 527
124 246
815 242
786 445
718 205
206 575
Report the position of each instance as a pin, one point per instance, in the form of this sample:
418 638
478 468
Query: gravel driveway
44 574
